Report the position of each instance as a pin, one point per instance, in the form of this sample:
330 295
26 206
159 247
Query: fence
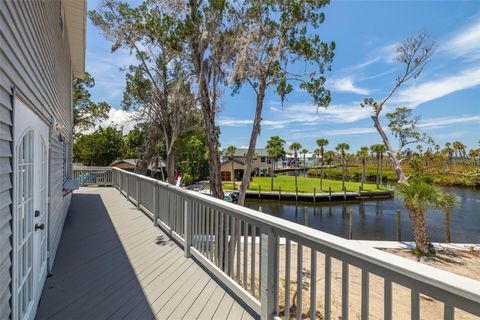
89 176
254 255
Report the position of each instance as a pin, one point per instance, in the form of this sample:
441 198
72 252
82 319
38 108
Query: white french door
30 210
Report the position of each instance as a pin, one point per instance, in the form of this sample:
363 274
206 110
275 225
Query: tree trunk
393 155
170 168
377 177
417 219
233 174
363 173
321 173
271 174
215 176
296 174
304 167
381 170
247 171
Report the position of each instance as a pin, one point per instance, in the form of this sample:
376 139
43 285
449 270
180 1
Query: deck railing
88 176
269 262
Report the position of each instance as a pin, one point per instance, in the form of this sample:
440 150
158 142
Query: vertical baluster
227 244
387 299
365 294
239 235
415 305
195 221
345 295
245 255
313 285
207 232
277 274
253 258
232 246
328 286
448 312
215 213
299 280
287 278
210 218
222 239
204 247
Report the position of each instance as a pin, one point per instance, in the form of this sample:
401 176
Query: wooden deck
113 264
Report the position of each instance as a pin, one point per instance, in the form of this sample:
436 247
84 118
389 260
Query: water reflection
377 220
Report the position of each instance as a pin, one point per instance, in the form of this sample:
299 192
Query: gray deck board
113 264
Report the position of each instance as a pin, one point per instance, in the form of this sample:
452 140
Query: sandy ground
461 262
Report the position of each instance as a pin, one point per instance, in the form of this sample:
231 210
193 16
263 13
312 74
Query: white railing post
188 227
137 186
155 205
268 268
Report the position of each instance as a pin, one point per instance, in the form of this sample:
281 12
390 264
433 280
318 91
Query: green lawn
305 185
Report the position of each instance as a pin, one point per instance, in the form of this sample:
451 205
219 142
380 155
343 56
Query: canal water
376 220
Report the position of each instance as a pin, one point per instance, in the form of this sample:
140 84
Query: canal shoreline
321 197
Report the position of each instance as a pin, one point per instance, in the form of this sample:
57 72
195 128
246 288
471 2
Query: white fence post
268 268
188 227
137 186
155 205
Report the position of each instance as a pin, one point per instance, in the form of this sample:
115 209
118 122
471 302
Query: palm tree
322 143
230 152
316 154
342 149
381 150
460 149
474 154
304 152
449 151
275 150
295 147
417 197
377 151
363 155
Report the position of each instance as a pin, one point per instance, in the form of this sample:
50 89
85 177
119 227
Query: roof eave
75 22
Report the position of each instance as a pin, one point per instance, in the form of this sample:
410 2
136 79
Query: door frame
27 126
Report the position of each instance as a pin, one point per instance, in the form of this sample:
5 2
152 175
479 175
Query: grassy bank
435 176
305 185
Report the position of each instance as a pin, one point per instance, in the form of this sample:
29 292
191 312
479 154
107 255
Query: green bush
187 179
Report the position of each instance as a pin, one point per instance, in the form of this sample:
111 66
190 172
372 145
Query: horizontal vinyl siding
34 58
5 201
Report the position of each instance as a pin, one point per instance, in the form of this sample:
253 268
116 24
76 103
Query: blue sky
446 96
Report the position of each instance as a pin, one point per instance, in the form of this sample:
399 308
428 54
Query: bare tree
413 53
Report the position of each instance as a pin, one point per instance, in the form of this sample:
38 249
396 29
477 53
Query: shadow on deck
113 264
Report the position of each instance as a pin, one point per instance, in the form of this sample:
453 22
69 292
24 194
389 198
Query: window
262 159
66 161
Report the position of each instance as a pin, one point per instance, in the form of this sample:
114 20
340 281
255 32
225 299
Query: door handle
39 226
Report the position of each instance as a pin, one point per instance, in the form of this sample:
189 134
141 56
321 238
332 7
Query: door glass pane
24 222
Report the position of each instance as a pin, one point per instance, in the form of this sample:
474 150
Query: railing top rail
434 277
91 168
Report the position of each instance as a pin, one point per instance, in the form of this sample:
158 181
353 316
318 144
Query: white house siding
34 58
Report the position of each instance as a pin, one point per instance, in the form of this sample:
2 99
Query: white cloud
417 94
228 122
435 123
126 120
465 42
347 85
